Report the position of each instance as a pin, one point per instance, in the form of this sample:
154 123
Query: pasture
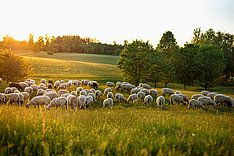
126 129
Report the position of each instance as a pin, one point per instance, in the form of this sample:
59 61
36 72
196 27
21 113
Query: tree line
208 57
65 43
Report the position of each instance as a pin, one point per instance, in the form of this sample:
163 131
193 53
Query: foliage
13 67
134 59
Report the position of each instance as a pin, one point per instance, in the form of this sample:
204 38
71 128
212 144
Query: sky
115 20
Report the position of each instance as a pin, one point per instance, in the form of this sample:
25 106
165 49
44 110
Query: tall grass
118 131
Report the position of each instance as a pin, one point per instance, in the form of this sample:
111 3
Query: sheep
21 98
39 100
89 100
62 91
69 83
98 94
153 93
28 89
144 85
82 101
93 84
160 101
56 84
223 99
118 84
71 101
106 91
0 80
83 92
176 98
16 91
140 96
34 87
78 89
40 92
62 86
193 103
211 95
166 91
132 97
2 98
185 98
84 82
74 93
29 83
76 83
108 102
119 97
50 86
126 87
51 94
145 91
178 92
206 101
110 84
42 87
13 97
110 95
26 96
205 92
23 85
135 90
196 96
94 96
60 101
43 81
51 82
8 90
148 100
65 95
12 84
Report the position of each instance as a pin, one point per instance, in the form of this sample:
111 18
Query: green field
126 129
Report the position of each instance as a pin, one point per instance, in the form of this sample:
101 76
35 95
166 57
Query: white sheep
110 84
89 100
23 85
98 94
94 96
135 90
74 93
8 90
71 101
193 103
148 100
206 101
118 84
76 83
110 95
107 90
108 102
40 92
223 99
69 83
146 91
56 84
16 91
2 98
78 89
82 101
178 92
34 87
205 92
132 97
51 94
39 100
62 86
65 95
28 89
185 98
153 93
62 91
196 96
13 98
211 95
60 101
26 96
140 96
177 99
126 87
166 91
43 81
83 92
84 82
119 97
160 101
144 85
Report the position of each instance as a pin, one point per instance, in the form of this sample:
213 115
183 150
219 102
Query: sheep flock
82 94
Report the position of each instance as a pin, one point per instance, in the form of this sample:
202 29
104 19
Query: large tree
134 60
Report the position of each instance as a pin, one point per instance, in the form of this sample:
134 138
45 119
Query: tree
13 67
40 43
169 47
30 42
134 60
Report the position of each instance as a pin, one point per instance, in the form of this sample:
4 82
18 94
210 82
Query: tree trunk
185 87
155 84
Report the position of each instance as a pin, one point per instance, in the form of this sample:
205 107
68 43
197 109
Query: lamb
206 101
132 97
205 92
223 99
62 91
110 95
110 84
144 85
196 96
62 86
71 101
82 101
28 89
176 98
60 101
119 97
193 103
108 102
140 96
106 91
39 100
160 101
148 100
166 91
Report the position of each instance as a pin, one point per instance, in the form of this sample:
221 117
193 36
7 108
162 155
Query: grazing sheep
118 84
106 91
76 83
56 84
28 89
69 83
22 85
60 101
89 100
43 81
16 91
21 98
119 97
108 102
94 96
82 101
13 98
126 87
148 100
65 95
223 99
62 86
196 96
42 87
78 89
185 98
50 86
8 90
26 96
93 84
92 90
74 93
153 93
98 94
206 101
178 92
166 91
2 98
29 83
84 82
205 92
193 103
34 87
144 85
110 84
140 96
62 91
132 97
39 100
51 82
177 99
71 101
146 91
16 85
110 95
135 90
211 95
13 89
160 101
51 94
83 92
40 92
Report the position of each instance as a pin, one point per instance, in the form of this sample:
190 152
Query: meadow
126 129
